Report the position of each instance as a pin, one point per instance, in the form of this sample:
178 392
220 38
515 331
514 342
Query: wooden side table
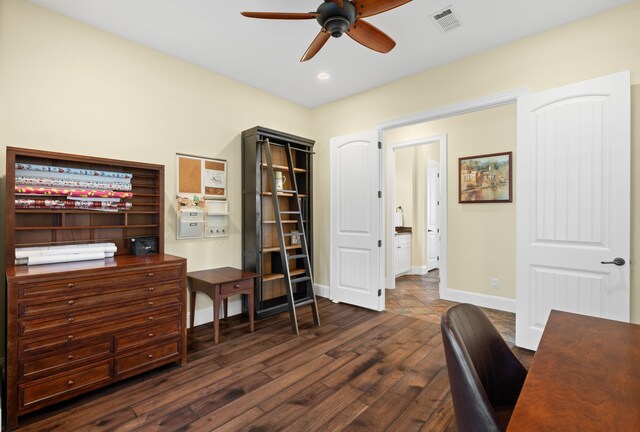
220 284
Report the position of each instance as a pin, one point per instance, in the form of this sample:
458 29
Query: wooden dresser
74 327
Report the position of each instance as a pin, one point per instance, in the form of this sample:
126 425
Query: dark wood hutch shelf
74 327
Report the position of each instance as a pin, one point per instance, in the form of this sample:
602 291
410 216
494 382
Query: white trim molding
322 291
484 300
419 270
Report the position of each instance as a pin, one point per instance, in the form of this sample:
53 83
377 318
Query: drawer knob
70 337
70 319
150 334
71 302
150 317
150 356
70 382
69 357
70 285
151 288
150 275
150 303
236 286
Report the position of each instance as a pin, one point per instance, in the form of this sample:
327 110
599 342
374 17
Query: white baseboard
484 300
322 291
419 270
204 309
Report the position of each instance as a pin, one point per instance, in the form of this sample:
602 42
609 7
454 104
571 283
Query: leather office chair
485 375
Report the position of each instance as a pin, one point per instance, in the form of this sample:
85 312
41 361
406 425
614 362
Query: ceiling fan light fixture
323 76
336 25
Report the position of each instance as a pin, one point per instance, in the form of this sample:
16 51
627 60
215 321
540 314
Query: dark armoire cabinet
260 247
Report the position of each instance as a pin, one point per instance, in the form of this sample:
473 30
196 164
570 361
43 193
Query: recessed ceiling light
323 76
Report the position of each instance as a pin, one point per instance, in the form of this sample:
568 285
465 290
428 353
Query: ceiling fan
342 16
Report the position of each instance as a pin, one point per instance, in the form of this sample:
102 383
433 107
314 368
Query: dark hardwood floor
360 371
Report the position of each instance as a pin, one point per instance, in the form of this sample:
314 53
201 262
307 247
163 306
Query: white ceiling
266 53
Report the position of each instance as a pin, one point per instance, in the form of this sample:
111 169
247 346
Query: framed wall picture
485 178
205 177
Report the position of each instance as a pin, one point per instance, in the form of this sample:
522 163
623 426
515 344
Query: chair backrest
484 374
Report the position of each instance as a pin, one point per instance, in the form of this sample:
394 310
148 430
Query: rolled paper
72 183
53 259
28 203
76 171
82 193
65 250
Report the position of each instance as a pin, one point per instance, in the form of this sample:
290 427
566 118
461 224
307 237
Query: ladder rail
303 234
283 249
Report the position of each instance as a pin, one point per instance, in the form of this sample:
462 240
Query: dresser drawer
71 320
148 357
236 287
32 308
63 385
70 286
147 335
71 357
65 341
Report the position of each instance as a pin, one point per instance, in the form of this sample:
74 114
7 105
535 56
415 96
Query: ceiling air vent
445 19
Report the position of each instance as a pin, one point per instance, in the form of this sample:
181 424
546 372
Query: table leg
216 319
251 307
192 306
226 307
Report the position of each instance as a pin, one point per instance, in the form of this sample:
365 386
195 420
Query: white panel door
356 270
573 203
433 215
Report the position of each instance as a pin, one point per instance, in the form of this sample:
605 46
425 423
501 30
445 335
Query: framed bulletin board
201 176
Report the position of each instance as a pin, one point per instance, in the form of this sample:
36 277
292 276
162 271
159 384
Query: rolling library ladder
307 276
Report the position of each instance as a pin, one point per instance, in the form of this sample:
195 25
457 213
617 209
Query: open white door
573 204
433 215
357 268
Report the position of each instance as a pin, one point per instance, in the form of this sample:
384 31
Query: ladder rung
296 256
303 302
286 191
290 212
293 234
301 279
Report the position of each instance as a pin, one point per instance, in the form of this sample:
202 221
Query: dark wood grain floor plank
361 370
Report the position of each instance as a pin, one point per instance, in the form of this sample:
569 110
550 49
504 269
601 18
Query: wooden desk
220 284
585 376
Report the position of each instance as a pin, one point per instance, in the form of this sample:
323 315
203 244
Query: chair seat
484 374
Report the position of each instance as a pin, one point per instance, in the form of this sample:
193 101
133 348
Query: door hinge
379 194
379 293
438 202
438 229
438 175
438 257
380 145
379 243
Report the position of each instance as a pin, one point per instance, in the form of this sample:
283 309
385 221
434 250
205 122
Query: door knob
616 261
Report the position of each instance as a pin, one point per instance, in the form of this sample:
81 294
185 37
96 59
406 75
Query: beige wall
592 47
481 237
65 86
69 87
410 183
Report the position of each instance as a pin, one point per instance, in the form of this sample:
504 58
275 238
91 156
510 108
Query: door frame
441 140
430 165
469 106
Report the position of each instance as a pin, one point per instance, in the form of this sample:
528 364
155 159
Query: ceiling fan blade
367 8
315 46
281 15
370 36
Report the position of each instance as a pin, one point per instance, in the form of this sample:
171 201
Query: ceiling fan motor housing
335 19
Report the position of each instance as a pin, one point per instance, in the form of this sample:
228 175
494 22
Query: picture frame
201 176
485 178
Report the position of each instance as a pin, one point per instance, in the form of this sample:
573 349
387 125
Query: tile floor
418 296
